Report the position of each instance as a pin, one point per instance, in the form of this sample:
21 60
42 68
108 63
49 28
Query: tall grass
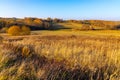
61 58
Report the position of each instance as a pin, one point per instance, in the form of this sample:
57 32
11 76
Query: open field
61 55
78 33
59 39
68 25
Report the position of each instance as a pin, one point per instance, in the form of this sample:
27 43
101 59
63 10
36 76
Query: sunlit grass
71 25
62 55
78 33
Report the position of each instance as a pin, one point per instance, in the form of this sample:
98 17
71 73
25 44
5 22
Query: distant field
77 26
77 32
70 25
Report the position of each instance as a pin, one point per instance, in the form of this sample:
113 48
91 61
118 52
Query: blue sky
66 9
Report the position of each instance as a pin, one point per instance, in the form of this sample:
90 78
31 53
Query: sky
64 9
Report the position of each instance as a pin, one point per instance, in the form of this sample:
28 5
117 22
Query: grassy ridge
61 55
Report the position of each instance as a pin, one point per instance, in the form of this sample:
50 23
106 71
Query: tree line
47 24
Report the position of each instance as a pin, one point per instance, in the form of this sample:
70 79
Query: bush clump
25 30
16 30
4 30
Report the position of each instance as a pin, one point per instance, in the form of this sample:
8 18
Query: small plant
1 39
4 30
26 51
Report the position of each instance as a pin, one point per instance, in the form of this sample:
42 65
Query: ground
61 55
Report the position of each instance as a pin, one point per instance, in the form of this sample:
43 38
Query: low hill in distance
56 24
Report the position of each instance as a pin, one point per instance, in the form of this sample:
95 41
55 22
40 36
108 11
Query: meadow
61 55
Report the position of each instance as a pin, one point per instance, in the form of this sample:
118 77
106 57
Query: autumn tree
14 30
25 30
2 23
28 21
56 20
47 25
38 22
49 19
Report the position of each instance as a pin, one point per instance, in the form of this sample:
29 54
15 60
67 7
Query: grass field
61 55
76 26
70 25
78 33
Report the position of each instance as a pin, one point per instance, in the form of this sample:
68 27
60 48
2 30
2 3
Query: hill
55 24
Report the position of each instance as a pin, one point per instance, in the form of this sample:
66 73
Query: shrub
4 30
14 30
87 27
1 39
25 51
47 25
25 30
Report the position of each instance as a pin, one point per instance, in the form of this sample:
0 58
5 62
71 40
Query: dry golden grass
69 57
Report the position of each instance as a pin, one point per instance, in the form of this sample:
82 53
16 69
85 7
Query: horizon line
64 18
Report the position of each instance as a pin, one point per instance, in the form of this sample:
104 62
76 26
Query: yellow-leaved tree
14 30
25 30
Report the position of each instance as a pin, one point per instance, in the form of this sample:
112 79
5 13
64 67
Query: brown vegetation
25 30
48 24
61 58
16 30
